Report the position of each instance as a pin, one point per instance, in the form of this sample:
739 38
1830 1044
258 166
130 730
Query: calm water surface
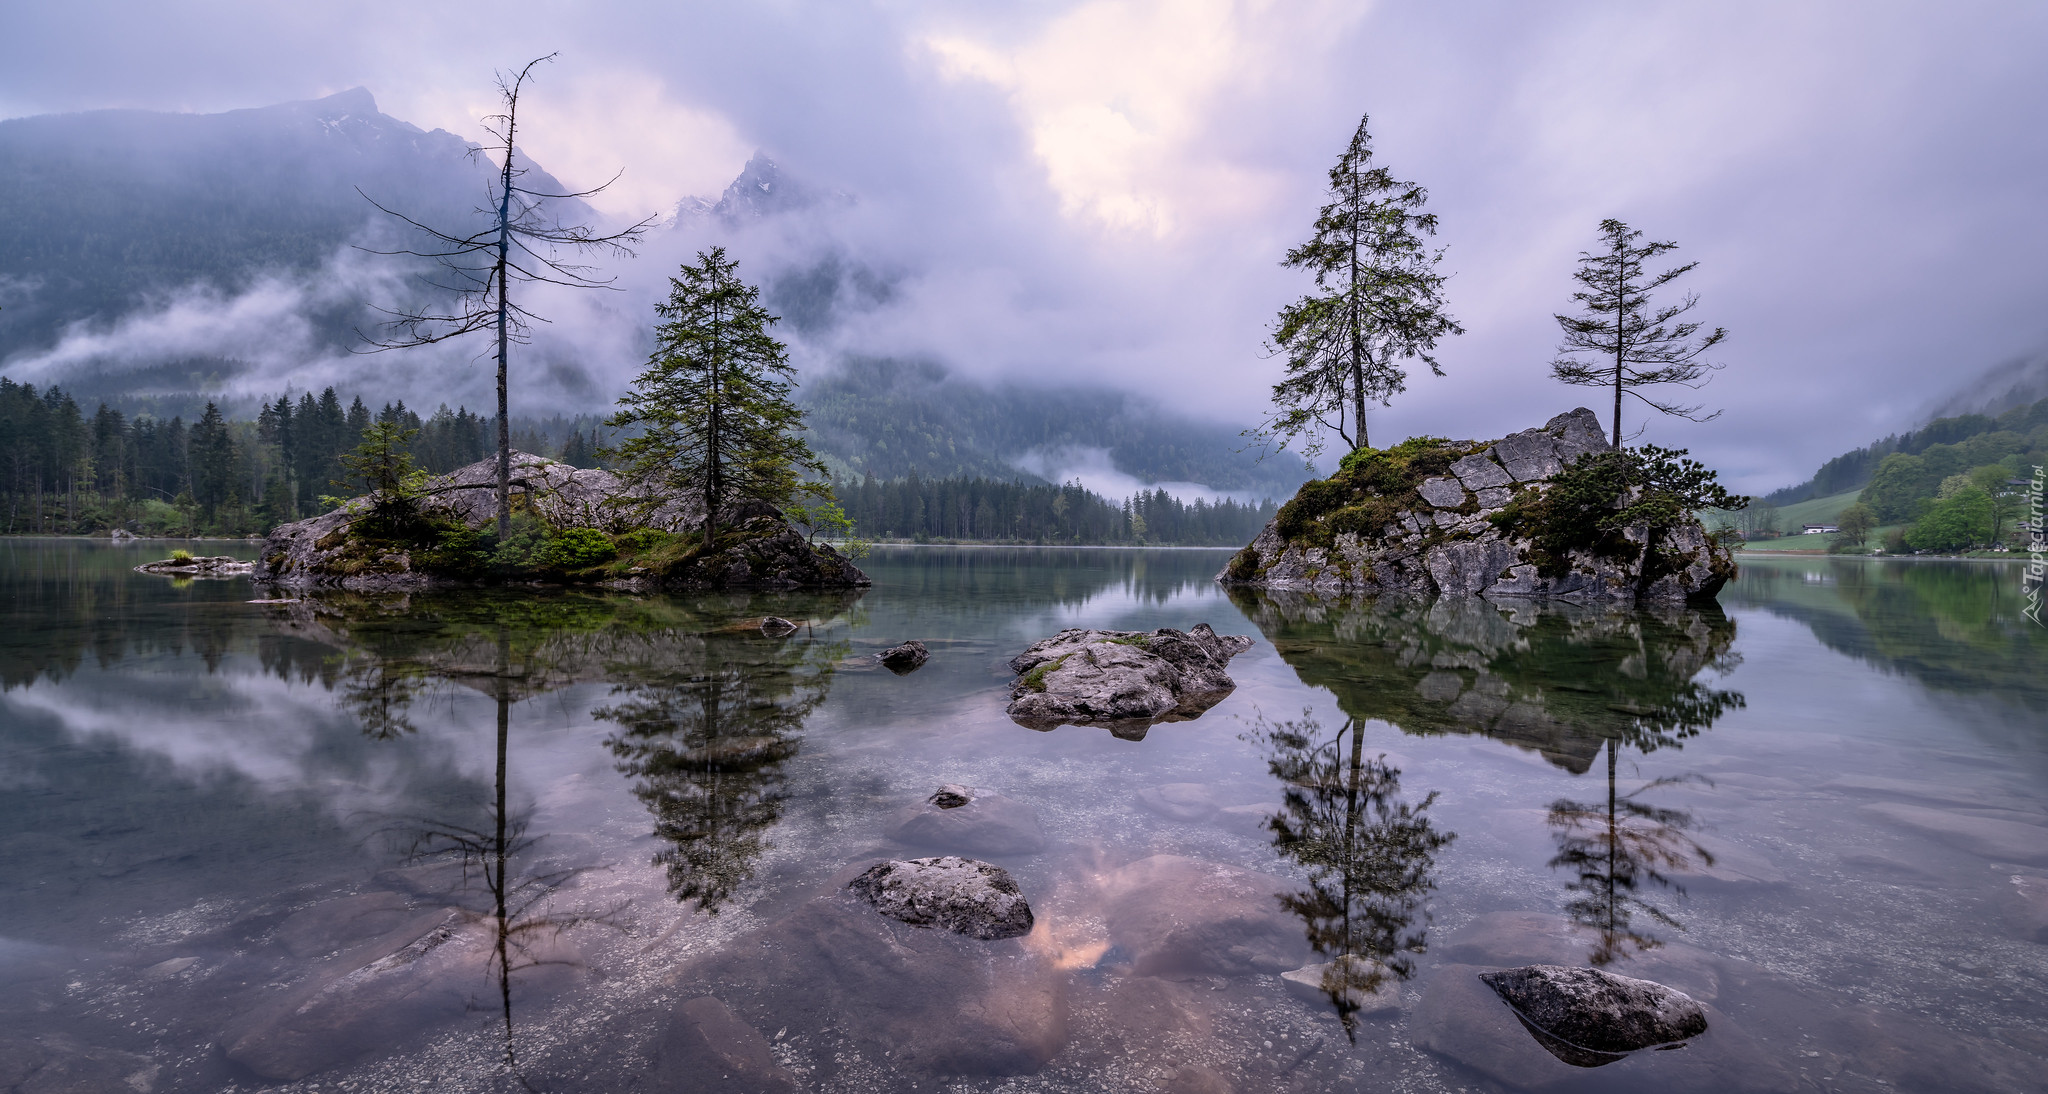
562 841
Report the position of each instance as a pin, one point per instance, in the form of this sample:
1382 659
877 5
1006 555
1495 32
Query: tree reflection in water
1613 851
1567 681
709 709
706 741
522 924
1369 856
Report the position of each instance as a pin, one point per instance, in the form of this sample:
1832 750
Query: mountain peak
356 100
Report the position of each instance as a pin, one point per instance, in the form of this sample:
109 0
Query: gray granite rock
1588 1013
976 899
199 566
1443 492
908 657
1479 473
757 548
1097 677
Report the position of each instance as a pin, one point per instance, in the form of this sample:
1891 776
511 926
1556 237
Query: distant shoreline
874 544
2016 556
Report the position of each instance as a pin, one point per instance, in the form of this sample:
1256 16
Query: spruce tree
213 461
1621 340
713 406
1378 301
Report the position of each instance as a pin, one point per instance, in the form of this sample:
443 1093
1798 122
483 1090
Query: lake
568 840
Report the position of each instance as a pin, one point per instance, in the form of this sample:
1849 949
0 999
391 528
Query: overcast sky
1103 189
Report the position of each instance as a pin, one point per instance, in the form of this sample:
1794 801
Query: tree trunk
713 488
1617 401
504 308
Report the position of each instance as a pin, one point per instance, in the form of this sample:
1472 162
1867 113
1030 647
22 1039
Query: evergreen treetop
714 402
1378 301
1621 340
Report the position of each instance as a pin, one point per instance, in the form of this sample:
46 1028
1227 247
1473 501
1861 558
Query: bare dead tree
523 242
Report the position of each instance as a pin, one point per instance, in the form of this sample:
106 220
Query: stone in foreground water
965 896
1597 1016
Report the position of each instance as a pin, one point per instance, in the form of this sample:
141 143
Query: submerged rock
1180 801
1354 985
707 1036
1421 522
908 657
956 818
926 1001
427 971
1176 916
1098 677
977 899
775 626
1461 1018
1587 1017
1990 837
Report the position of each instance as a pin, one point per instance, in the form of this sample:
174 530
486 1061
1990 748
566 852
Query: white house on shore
1819 529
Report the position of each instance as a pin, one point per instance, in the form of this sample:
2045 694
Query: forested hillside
65 471
891 418
1856 468
989 510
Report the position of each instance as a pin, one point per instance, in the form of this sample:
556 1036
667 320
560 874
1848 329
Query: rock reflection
1369 856
1566 681
1558 679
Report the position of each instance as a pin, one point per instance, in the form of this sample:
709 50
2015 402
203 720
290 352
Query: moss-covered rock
1434 516
570 525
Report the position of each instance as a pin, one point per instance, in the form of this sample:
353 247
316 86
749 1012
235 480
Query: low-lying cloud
1099 191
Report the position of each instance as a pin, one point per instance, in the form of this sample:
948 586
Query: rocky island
1550 512
571 525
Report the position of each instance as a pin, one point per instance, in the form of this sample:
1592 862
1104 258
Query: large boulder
1588 1017
757 549
321 551
1123 679
977 899
1421 525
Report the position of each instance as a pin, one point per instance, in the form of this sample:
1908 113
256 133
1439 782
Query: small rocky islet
573 525
1456 518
